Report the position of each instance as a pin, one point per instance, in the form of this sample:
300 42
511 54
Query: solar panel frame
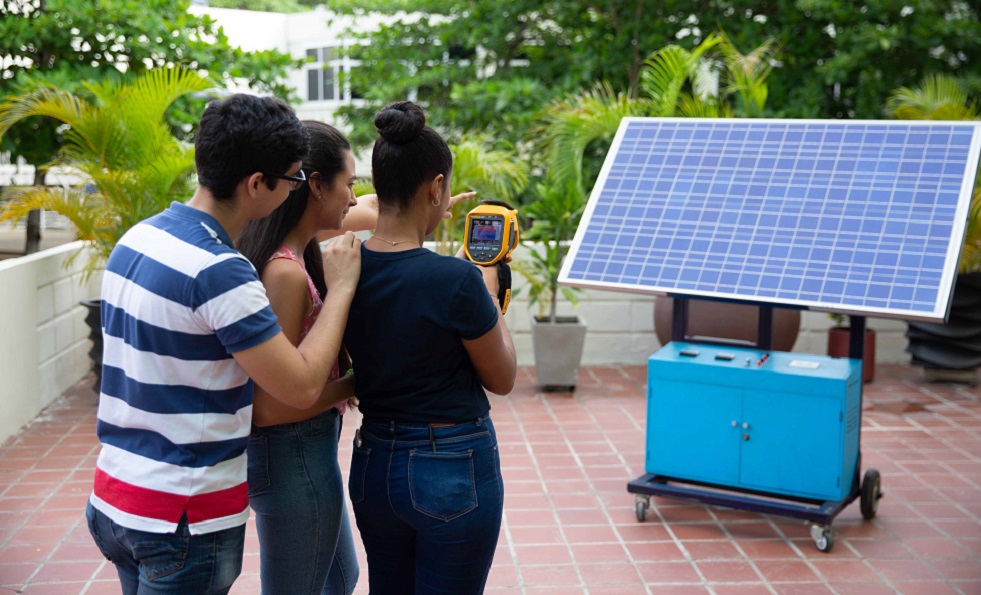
693 173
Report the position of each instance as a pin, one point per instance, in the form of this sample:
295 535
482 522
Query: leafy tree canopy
490 65
64 43
842 59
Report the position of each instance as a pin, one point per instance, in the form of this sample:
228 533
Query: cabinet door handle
745 425
735 423
746 437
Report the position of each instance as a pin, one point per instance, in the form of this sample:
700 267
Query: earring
435 202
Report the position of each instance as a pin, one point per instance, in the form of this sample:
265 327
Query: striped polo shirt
175 408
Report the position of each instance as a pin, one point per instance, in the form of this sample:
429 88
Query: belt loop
480 421
391 427
432 438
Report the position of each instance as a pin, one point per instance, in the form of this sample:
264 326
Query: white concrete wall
620 328
44 348
45 343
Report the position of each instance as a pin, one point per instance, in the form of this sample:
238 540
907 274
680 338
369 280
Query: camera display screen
486 231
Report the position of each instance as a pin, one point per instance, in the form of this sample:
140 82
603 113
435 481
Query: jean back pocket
441 484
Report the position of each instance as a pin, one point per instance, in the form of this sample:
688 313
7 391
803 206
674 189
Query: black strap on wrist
504 286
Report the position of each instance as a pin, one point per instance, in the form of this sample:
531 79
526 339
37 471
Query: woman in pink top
295 483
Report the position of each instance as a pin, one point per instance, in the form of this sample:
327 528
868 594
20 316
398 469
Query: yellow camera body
491 235
491 232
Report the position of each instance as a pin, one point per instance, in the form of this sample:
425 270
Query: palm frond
663 79
160 88
492 172
705 79
144 119
669 70
569 125
695 107
73 203
748 73
45 102
937 97
131 165
477 166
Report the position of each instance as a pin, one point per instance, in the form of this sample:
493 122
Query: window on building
322 75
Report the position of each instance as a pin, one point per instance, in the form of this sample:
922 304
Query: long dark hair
408 154
261 238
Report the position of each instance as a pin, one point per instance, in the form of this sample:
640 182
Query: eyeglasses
294 181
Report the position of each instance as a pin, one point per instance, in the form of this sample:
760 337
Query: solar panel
859 217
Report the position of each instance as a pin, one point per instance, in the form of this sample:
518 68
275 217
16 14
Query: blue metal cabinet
786 423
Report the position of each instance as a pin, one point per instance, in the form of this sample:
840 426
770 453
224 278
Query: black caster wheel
640 507
870 493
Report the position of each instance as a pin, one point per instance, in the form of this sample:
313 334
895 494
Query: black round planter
93 318
957 344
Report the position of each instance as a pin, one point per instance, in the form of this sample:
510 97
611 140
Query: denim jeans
428 503
297 492
169 563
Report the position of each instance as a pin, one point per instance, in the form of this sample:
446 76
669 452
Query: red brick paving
570 525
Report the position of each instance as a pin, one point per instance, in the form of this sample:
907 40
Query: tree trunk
33 243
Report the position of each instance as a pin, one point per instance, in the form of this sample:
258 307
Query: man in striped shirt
186 324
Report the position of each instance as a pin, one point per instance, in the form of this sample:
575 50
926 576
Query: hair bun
400 122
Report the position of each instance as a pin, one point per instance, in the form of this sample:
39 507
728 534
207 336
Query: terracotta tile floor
570 525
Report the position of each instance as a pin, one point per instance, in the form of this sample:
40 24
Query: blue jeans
169 563
428 502
297 492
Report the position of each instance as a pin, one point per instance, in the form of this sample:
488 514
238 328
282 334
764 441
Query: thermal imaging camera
491 236
492 232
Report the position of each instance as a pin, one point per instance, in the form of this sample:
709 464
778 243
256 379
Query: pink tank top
318 304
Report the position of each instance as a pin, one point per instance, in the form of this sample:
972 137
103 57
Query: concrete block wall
44 336
620 328
44 347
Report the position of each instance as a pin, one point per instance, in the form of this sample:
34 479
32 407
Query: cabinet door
793 446
690 432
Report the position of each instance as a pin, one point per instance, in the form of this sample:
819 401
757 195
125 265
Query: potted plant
951 351
838 344
130 166
557 341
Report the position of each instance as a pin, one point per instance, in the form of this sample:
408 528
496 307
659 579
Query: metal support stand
764 334
679 320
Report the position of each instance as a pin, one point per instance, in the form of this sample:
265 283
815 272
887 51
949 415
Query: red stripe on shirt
168 507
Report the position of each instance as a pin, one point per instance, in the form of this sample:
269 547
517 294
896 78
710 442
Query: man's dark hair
407 154
244 134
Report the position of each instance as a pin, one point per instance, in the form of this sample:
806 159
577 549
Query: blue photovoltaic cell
861 217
